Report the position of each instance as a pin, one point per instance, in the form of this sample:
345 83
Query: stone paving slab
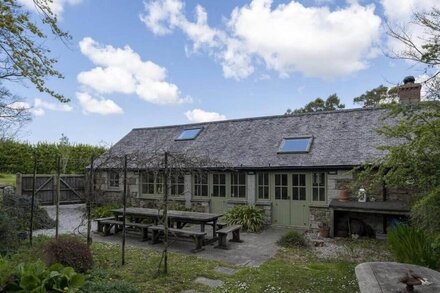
224 270
209 282
256 248
383 277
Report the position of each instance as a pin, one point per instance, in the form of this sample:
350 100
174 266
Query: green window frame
238 185
152 183
263 186
218 185
281 186
113 180
319 187
299 187
200 184
177 185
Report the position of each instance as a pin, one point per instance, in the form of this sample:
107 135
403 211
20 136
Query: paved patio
255 249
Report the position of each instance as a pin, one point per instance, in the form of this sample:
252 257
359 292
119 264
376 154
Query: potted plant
324 230
344 194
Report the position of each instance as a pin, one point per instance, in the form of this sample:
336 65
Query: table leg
214 228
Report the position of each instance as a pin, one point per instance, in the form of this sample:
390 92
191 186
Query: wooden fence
72 188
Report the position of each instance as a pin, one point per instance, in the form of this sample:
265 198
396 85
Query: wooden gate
72 188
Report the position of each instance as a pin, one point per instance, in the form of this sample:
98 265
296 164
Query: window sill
200 199
318 205
237 200
264 202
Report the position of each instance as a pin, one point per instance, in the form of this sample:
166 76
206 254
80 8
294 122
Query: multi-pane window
318 187
177 184
114 179
152 183
218 185
238 184
200 184
263 185
281 186
299 186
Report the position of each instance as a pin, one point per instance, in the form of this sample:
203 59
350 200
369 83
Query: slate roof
343 138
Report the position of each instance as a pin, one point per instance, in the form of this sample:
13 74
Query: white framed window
238 184
177 185
218 185
263 185
281 186
318 187
200 184
299 186
151 183
113 180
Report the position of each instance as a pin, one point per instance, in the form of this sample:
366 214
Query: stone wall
266 206
319 215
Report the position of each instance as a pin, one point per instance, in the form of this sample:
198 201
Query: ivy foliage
17 157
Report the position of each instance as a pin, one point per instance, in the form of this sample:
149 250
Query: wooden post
57 198
34 181
19 184
88 203
124 202
165 213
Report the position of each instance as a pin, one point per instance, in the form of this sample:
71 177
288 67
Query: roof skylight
188 134
295 145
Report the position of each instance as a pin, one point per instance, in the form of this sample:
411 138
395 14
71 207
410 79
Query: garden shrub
35 277
100 282
69 251
18 207
249 217
6 271
292 239
104 211
411 245
8 233
425 213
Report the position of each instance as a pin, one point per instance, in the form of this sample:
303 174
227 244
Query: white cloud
315 41
97 106
199 115
121 70
56 6
40 106
399 14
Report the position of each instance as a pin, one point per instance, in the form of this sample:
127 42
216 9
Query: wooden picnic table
181 218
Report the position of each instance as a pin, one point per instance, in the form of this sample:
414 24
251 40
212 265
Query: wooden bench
221 225
106 224
223 233
198 237
100 223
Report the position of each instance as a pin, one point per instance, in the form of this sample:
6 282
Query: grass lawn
7 179
291 270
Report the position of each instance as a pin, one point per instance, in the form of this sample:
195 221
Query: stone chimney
409 92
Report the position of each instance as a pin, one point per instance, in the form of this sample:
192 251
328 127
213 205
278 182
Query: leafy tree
331 104
13 113
372 97
414 163
23 56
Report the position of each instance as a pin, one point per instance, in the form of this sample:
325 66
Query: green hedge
17 157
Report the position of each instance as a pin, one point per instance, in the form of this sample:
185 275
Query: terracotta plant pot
324 231
344 195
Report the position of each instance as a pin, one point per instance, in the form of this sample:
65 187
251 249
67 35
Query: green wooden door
281 200
218 194
299 208
290 201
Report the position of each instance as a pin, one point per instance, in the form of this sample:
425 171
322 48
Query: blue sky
139 64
